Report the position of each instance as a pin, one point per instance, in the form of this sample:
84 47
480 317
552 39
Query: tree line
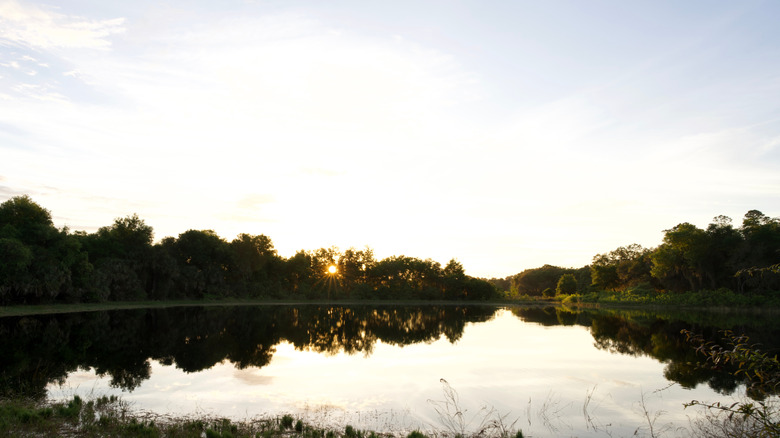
744 260
120 262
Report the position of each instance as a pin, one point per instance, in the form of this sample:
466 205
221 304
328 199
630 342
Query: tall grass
111 417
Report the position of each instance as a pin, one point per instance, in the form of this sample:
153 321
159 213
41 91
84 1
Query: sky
504 134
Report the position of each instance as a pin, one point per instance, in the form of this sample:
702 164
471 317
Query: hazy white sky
506 134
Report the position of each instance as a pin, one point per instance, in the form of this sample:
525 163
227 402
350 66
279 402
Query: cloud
249 208
255 200
44 28
318 171
8 192
251 377
293 73
38 92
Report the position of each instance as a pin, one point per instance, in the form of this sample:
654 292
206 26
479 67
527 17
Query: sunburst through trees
331 279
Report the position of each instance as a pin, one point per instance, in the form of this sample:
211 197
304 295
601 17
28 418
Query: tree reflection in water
38 350
658 335
43 349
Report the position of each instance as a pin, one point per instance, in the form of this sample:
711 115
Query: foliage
286 422
109 416
760 372
567 285
40 263
693 259
761 375
757 278
719 265
624 267
646 295
533 282
120 262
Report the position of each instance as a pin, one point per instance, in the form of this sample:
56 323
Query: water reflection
38 350
43 349
643 333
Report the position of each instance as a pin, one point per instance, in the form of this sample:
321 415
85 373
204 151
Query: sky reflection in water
539 375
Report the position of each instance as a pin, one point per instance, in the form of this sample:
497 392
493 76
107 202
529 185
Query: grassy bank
701 299
110 417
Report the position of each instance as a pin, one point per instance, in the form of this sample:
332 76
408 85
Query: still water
551 372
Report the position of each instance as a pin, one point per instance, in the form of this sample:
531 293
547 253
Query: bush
286 423
761 374
71 410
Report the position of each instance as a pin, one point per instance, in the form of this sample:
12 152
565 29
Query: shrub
71 410
286 423
761 373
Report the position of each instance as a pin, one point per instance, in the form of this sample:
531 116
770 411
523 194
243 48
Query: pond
547 371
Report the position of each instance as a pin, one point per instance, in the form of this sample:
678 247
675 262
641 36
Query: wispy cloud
8 192
45 28
38 92
255 200
318 171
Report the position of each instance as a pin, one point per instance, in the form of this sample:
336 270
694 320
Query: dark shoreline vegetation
110 416
43 265
718 266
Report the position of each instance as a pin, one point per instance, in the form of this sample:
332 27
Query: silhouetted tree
41 263
624 267
204 263
534 281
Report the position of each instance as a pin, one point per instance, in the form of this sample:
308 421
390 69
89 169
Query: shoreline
60 308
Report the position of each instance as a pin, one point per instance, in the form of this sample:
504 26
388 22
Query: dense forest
120 262
744 260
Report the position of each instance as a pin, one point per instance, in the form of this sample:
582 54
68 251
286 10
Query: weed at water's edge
485 422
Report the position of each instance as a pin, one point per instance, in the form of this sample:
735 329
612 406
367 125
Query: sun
332 269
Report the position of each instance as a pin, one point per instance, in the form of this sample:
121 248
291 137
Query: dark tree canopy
745 260
121 262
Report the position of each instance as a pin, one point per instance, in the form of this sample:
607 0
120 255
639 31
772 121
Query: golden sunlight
332 269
